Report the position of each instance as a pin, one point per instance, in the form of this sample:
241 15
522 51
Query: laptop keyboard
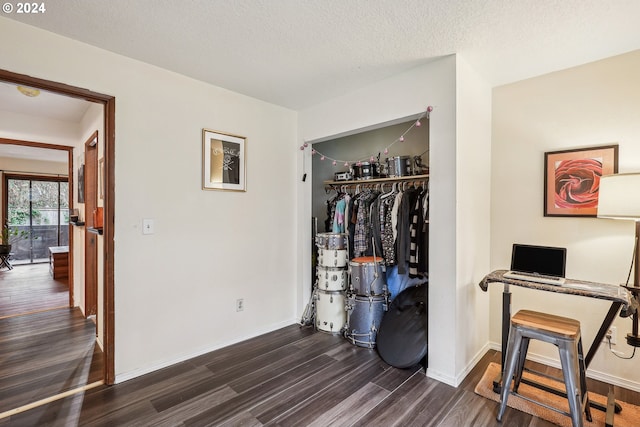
538 278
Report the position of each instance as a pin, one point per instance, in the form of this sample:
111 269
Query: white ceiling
46 104
33 153
297 53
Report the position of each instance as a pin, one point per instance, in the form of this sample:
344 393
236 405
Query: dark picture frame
572 179
81 184
224 161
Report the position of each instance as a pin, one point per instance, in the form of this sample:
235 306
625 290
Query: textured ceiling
298 53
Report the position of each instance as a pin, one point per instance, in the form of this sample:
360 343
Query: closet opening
370 230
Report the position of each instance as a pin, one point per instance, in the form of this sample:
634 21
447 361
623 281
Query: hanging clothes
362 245
415 235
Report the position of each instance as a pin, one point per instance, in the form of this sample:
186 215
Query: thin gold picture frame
224 161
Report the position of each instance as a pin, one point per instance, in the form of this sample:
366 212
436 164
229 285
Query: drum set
349 297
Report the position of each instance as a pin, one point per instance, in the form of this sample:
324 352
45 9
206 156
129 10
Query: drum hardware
307 314
365 170
343 176
419 168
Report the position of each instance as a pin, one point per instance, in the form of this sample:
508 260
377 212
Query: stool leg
583 382
524 348
570 369
513 350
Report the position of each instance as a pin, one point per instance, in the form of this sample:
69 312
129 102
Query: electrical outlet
240 304
613 333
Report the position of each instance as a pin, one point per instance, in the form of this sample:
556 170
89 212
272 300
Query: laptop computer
541 264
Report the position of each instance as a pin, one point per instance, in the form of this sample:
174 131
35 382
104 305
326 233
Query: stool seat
564 326
564 333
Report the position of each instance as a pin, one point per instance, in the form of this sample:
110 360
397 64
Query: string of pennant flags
371 157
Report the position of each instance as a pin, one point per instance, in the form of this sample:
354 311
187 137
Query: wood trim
109 229
109 103
90 241
35 144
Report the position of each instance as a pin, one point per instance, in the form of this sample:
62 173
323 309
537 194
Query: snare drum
332 240
367 277
330 311
332 278
364 315
332 257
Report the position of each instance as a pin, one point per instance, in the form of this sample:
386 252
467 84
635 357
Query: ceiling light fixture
29 91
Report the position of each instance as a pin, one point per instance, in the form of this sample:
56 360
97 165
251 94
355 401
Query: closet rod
374 185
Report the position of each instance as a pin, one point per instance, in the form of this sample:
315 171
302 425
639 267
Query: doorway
108 201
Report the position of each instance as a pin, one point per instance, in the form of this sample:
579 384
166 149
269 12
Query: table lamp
619 198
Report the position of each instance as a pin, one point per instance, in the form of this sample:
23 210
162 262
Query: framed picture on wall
81 184
101 177
572 179
223 161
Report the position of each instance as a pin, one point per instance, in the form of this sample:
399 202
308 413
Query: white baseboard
457 380
126 376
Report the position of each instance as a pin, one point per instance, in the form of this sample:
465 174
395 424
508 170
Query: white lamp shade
619 196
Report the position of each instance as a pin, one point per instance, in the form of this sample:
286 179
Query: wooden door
91 238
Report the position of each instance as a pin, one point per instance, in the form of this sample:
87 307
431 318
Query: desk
620 298
59 261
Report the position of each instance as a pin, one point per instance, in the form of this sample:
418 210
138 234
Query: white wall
401 96
473 181
176 290
591 105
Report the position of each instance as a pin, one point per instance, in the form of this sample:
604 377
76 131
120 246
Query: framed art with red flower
572 179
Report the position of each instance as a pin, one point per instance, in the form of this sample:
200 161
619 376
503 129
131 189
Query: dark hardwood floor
44 354
291 377
30 288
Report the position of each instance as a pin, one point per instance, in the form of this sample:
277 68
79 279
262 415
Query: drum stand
308 314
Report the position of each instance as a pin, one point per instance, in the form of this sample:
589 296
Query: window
40 206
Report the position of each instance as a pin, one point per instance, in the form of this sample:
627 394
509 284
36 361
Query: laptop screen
543 260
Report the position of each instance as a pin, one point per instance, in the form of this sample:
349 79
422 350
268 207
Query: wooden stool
563 333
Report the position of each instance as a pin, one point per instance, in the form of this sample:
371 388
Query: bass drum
332 257
332 278
330 311
367 277
364 315
402 338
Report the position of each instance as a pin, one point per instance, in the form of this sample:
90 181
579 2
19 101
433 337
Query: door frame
90 239
109 103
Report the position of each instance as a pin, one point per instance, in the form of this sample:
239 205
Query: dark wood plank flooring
30 288
290 377
46 353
